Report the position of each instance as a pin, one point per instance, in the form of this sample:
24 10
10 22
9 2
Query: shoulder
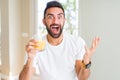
74 39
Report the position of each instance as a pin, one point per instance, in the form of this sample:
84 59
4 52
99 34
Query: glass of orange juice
40 44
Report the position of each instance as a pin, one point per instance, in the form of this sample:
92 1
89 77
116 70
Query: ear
43 21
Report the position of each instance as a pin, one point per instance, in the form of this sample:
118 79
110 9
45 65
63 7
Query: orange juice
40 45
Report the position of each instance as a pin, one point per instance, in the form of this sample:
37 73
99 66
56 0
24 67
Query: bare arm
28 69
83 73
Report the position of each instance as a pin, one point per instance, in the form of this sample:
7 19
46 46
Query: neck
55 41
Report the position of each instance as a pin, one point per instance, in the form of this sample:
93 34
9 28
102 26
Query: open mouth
55 29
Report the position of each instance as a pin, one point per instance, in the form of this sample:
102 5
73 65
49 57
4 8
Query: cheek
48 22
63 22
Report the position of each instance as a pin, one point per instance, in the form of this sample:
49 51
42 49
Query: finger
29 48
31 45
96 41
33 51
32 42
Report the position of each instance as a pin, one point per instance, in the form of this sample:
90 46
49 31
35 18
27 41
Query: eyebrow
57 14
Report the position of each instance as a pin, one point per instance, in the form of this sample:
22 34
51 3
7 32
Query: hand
91 50
30 48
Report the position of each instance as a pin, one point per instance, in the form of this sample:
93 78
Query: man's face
54 21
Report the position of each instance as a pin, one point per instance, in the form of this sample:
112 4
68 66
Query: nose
55 20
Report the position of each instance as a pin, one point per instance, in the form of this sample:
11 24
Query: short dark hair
53 4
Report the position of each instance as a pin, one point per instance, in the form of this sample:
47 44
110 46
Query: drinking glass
40 43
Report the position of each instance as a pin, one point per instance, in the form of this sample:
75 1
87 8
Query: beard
51 30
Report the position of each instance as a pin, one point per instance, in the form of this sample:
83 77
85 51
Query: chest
58 59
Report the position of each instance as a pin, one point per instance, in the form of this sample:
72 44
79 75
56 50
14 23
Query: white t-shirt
58 62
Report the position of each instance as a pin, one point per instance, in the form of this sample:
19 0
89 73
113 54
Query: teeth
54 26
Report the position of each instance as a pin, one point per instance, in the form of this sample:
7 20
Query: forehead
54 10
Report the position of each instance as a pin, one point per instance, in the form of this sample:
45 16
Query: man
65 57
